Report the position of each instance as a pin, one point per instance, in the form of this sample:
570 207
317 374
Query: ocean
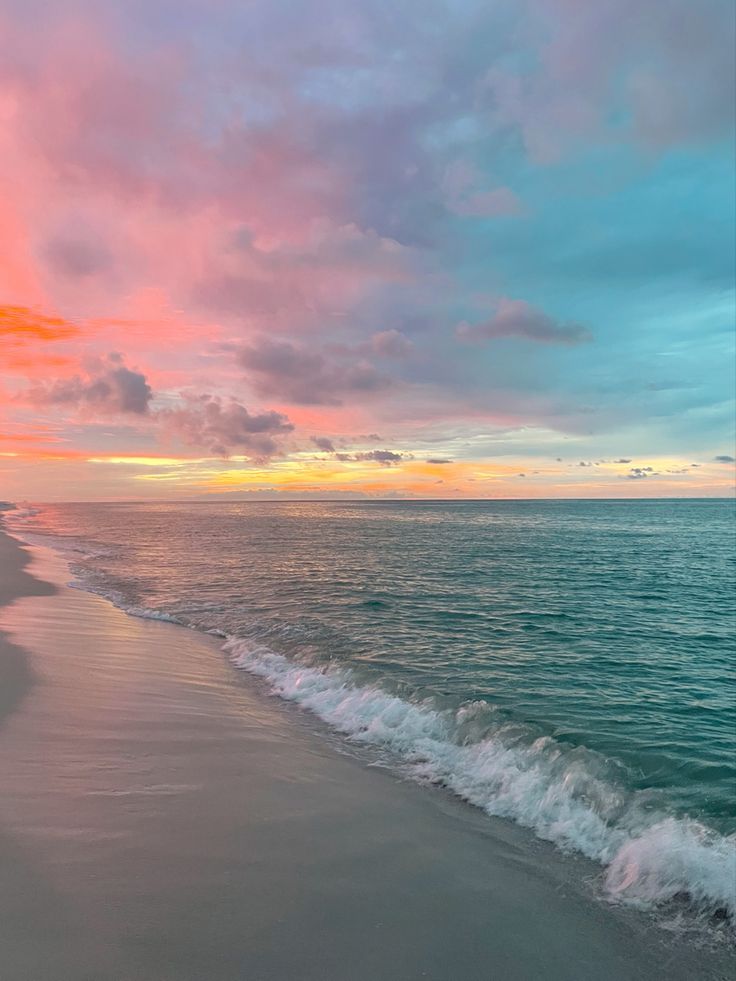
565 665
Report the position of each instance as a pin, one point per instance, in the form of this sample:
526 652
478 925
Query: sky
364 249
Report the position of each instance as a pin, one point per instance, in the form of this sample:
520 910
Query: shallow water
567 665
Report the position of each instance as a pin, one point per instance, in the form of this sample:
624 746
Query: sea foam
649 858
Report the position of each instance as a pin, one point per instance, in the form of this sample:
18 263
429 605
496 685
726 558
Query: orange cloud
37 437
20 324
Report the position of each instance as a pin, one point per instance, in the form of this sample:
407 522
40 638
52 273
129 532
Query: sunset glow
281 251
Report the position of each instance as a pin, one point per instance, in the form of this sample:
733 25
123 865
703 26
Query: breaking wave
564 794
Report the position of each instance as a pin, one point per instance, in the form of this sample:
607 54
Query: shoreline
16 674
191 827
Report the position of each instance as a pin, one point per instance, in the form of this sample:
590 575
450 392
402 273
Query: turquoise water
567 665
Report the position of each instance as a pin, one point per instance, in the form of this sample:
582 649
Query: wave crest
565 796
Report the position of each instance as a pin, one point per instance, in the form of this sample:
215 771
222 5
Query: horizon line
374 500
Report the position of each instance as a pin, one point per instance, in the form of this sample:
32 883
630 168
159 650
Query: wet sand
16 675
161 819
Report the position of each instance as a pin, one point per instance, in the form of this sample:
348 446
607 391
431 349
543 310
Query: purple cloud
288 371
519 319
391 344
645 65
468 195
386 458
324 444
77 257
223 427
109 388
